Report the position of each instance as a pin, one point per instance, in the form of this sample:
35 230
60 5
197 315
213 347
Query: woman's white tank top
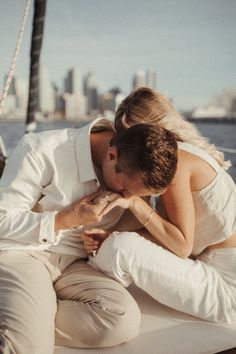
215 205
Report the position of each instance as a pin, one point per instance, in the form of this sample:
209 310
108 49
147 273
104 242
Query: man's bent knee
127 325
102 322
120 327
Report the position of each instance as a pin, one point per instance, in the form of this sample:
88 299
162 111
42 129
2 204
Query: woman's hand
93 239
112 200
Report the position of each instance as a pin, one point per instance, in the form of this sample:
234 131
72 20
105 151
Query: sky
191 44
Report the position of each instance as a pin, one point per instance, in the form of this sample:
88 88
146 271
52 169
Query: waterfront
222 134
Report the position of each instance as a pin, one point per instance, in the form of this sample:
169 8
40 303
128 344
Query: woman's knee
116 255
124 242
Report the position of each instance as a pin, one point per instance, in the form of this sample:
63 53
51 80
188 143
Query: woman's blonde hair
145 105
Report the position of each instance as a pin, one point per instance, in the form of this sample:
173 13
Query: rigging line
13 62
228 150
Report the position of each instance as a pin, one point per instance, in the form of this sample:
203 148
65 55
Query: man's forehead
135 185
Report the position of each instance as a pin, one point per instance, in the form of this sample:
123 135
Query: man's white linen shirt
47 172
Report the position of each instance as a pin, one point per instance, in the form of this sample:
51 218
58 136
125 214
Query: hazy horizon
190 44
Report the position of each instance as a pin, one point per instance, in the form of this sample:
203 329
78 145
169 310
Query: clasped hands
90 210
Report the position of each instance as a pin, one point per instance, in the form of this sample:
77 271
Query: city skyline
189 44
79 97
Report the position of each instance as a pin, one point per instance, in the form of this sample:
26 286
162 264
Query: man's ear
112 154
124 122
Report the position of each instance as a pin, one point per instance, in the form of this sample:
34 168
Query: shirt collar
83 149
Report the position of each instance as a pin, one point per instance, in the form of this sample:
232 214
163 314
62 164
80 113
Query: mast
36 43
3 156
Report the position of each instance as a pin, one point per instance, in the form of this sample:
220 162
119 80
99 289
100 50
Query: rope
13 62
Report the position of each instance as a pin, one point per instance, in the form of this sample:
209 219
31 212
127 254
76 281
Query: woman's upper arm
178 201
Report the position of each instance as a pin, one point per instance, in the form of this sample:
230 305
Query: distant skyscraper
72 81
139 79
11 101
21 88
110 101
91 92
119 98
75 106
16 99
151 78
46 92
142 78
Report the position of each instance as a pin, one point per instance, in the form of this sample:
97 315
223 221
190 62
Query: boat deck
166 331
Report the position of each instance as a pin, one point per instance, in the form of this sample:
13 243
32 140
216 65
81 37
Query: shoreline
190 119
210 119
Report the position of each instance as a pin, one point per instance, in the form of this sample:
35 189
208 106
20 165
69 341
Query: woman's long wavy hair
145 105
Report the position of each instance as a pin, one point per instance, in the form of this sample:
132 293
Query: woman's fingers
106 197
108 207
94 231
104 194
115 200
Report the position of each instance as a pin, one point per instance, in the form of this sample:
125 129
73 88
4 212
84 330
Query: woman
190 263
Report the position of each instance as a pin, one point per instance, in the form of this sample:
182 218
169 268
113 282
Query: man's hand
90 209
93 239
86 211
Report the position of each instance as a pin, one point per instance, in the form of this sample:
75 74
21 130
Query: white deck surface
165 331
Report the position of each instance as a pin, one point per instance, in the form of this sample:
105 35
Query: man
54 187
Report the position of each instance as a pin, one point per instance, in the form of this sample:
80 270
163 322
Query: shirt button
44 240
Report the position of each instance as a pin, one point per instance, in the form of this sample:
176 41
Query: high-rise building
75 106
46 92
11 101
72 82
139 79
151 78
21 88
16 100
91 92
110 101
142 78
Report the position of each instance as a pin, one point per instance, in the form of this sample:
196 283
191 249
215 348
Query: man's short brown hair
149 150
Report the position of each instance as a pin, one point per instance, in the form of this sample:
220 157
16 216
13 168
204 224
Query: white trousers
48 298
205 287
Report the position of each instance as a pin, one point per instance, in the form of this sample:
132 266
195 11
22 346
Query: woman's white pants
204 287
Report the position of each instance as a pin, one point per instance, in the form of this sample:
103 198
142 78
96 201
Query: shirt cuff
47 235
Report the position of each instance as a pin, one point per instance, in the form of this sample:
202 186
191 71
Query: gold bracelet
149 218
